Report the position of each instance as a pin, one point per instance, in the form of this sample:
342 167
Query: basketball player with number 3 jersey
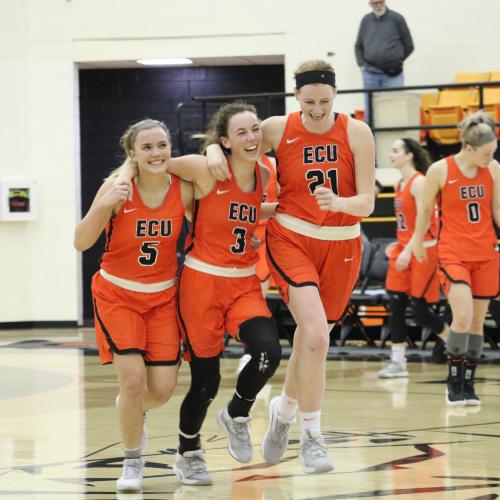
219 291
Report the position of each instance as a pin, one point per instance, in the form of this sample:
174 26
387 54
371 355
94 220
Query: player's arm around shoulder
193 168
363 149
111 195
272 131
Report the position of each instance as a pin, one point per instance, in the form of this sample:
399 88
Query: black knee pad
205 378
424 316
261 338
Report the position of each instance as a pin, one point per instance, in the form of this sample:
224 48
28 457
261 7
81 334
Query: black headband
315 77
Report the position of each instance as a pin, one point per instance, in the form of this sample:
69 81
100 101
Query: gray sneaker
239 442
190 468
394 370
275 441
313 455
131 479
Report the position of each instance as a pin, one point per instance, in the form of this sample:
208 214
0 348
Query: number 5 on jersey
149 253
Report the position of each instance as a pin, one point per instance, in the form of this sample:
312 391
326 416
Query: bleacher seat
427 99
449 110
494 76
464 77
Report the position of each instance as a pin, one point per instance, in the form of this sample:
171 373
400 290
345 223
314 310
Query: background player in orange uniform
468 189
406 277
219 290
135 288
325 164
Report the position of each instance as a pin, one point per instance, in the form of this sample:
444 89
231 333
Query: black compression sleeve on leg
262 341
397 316
205 380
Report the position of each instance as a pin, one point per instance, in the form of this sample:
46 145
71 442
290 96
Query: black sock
239 406
189 443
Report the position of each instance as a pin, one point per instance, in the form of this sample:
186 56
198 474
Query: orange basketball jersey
466 229
223 223
306 161
405 209
141 241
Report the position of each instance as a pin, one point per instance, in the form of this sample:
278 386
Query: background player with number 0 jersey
325 167
467 187
134 291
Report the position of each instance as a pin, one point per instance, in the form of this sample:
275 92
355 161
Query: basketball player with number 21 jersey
467 188
326 175
219 291
134 292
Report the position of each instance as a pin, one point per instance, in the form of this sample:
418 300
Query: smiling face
152 149
244 136
316 102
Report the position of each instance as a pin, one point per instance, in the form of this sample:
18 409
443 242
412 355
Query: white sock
287 406
398 353
310 421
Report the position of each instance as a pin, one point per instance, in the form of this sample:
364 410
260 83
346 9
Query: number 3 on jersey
317 178
240 243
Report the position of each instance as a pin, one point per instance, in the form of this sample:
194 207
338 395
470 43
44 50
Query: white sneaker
131 478
394 370
239 442
191 469
243 362
275 441
144 436
313 454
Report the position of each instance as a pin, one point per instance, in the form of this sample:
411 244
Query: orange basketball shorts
210 306
419 279
331 266
135 322
480 276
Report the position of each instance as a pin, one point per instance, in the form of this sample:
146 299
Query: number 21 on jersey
317 177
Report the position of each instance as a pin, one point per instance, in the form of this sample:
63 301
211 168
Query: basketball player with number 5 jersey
134 292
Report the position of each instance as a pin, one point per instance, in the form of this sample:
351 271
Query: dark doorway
112 99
